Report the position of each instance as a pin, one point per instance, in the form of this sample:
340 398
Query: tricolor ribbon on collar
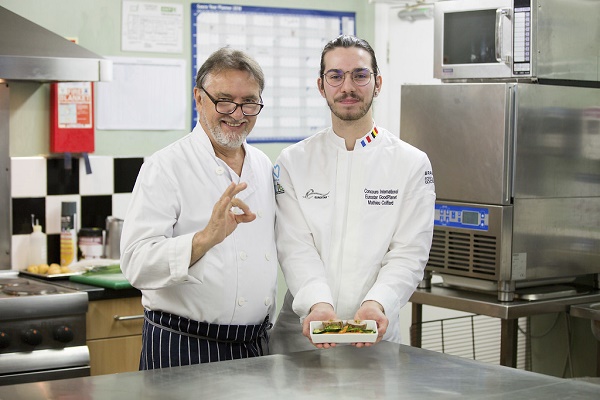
369 137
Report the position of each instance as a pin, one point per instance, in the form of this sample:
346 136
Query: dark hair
228 59
347 41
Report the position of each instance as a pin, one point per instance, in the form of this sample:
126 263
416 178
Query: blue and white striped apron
169 340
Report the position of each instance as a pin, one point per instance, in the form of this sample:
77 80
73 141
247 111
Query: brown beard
350 116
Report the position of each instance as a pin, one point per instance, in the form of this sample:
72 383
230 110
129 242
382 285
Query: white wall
404 51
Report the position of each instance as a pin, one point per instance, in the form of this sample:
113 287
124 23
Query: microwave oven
517 40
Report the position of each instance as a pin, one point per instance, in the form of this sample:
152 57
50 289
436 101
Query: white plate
343 337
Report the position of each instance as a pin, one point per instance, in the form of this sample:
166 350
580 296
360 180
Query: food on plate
54 269
333 325
34 269
356 326
340 327
45 269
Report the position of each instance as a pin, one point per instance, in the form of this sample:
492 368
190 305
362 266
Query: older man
198 238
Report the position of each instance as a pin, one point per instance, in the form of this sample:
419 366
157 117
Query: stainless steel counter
384 371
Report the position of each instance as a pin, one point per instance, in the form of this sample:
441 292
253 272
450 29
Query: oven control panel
459 216
42 333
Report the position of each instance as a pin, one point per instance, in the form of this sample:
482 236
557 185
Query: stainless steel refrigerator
517 176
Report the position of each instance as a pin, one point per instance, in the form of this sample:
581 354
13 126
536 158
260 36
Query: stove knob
63 334
4 340
32 336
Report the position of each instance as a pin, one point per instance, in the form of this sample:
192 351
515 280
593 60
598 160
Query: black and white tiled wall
39 185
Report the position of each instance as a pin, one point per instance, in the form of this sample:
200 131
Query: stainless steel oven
525 40
517 176
42 331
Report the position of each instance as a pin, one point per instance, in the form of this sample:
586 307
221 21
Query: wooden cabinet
114 335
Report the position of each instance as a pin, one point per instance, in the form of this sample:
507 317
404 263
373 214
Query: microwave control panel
466 217
522 37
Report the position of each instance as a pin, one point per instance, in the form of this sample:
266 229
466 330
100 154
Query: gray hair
230 59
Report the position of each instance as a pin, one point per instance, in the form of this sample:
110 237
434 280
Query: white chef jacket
351 226
234 282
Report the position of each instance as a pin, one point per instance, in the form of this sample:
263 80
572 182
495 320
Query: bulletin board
287 43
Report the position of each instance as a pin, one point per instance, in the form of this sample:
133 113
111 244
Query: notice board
287 43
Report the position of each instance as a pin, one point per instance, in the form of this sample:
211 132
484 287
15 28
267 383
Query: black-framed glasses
228 107
360 76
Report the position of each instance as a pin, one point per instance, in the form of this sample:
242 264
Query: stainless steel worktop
384 371
488 304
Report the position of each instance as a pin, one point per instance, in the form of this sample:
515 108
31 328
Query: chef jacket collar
367 140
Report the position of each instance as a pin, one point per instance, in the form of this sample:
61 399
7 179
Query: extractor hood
29 52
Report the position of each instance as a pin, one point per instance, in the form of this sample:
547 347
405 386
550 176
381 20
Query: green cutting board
110 281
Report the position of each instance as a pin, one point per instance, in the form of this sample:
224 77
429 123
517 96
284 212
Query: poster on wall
129 102
287 43
152 27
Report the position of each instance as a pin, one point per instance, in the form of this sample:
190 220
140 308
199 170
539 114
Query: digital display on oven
470 218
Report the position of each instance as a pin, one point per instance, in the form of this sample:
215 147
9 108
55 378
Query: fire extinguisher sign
72 117
75 105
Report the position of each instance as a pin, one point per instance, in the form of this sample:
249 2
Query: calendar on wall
287 43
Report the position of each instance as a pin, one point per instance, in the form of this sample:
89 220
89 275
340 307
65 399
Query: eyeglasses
228 107
360 76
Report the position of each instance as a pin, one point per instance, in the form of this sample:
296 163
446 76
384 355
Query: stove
42 331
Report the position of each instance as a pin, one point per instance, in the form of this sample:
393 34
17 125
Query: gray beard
229 141
232 142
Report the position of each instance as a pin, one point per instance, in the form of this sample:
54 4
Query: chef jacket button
267 256
220 170
268 301
241 301
243 255
259 213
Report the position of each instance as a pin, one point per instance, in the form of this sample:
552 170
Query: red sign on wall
72 117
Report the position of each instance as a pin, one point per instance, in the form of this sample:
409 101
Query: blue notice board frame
287 43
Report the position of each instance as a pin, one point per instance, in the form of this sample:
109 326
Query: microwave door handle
500 12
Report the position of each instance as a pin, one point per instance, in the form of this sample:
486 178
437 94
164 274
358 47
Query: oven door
466 130
44 365
473 40
47 375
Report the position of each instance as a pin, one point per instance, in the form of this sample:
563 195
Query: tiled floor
39 185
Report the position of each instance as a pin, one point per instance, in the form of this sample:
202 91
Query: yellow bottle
68 234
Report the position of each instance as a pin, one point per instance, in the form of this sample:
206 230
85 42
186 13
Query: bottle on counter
90 243
68 234
38 246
